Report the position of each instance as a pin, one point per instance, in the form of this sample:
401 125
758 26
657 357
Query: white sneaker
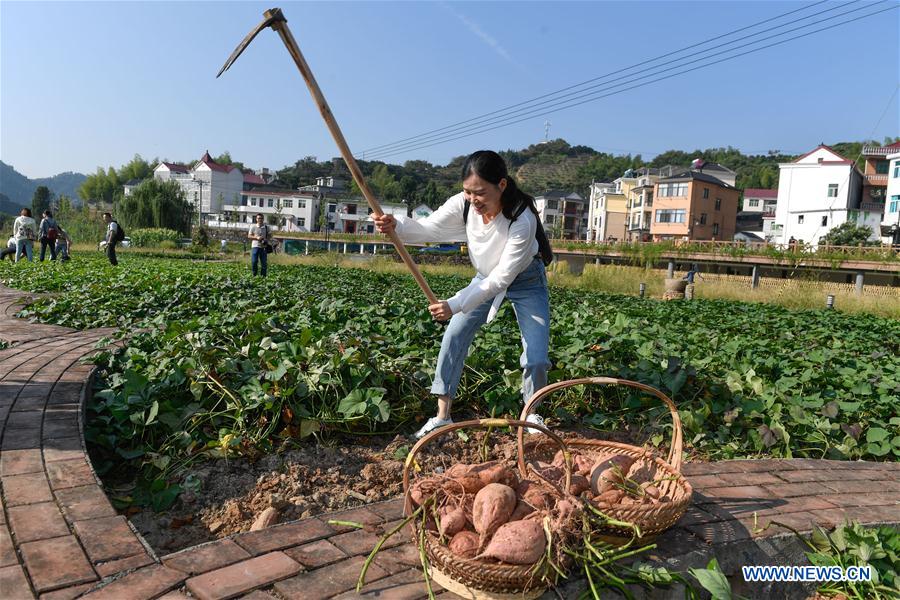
537 420
430 425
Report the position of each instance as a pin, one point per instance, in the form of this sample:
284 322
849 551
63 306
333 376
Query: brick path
60 538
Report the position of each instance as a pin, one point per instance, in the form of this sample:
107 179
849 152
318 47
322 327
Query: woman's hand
440 311
385 223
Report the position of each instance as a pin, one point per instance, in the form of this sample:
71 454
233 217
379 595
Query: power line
599 77
603 87
593 96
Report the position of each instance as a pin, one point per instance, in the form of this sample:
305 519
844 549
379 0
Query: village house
693 205
818 192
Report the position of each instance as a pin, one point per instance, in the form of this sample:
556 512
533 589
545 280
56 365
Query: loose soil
308 481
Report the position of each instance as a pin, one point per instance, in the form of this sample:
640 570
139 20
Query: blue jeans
27 246
531 303
258 255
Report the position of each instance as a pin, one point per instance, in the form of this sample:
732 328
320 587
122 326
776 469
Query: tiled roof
760 193
209 162
684 175
843 160
176 168
253 178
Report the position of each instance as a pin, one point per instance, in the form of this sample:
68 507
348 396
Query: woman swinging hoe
508 248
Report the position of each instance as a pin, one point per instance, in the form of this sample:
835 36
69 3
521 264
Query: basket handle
483 423
675 449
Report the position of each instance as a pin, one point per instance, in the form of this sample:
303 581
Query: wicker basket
475 578
651 519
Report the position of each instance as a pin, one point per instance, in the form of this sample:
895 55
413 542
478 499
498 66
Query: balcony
879 150
876 179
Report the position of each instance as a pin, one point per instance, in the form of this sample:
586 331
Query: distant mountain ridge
17 189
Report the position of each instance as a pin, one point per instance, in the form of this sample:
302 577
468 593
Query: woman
25 232
508 249
259 233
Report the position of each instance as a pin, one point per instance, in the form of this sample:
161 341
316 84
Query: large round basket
476 578
649 519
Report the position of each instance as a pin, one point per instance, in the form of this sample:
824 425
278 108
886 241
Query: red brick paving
60 538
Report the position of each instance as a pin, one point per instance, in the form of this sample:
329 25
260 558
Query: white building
283 209
816 193
891 222
563 214
601 198
353 215
207 185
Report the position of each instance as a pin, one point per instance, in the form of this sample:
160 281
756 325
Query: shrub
154 237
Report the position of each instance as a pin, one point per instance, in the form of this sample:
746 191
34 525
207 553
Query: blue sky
88 84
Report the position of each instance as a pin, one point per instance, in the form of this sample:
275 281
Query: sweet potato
498 474
465 544
581 464
610 473
612 496
464 478
452 521
517 543
522 510
493 505
534 495
579 484
650 490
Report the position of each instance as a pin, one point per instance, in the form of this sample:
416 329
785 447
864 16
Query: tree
137 168
159 204
41 200
848 234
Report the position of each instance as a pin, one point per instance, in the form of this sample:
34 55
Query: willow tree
156 203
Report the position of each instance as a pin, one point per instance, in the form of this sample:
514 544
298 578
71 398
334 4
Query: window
705 193
718 204
283 221
895 204
667 190
824 221
301 203
271 202
287 203
548 219
301 221
715 229
703 218
332 208
754 202
832 190
351 209
881 167
897 169
552 204
800 220
670 215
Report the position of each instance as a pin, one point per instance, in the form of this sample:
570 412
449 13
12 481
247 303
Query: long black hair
491 167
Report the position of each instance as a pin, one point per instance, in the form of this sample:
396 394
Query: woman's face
484 195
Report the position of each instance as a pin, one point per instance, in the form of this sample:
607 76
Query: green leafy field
225 363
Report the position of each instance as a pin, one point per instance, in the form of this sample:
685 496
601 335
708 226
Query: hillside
19 189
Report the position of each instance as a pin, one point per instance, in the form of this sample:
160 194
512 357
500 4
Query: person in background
63 245
10 250
112 238
25 232
224 245
49 233
259 233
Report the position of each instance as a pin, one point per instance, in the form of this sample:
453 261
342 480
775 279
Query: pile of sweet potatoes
606 479
486 512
